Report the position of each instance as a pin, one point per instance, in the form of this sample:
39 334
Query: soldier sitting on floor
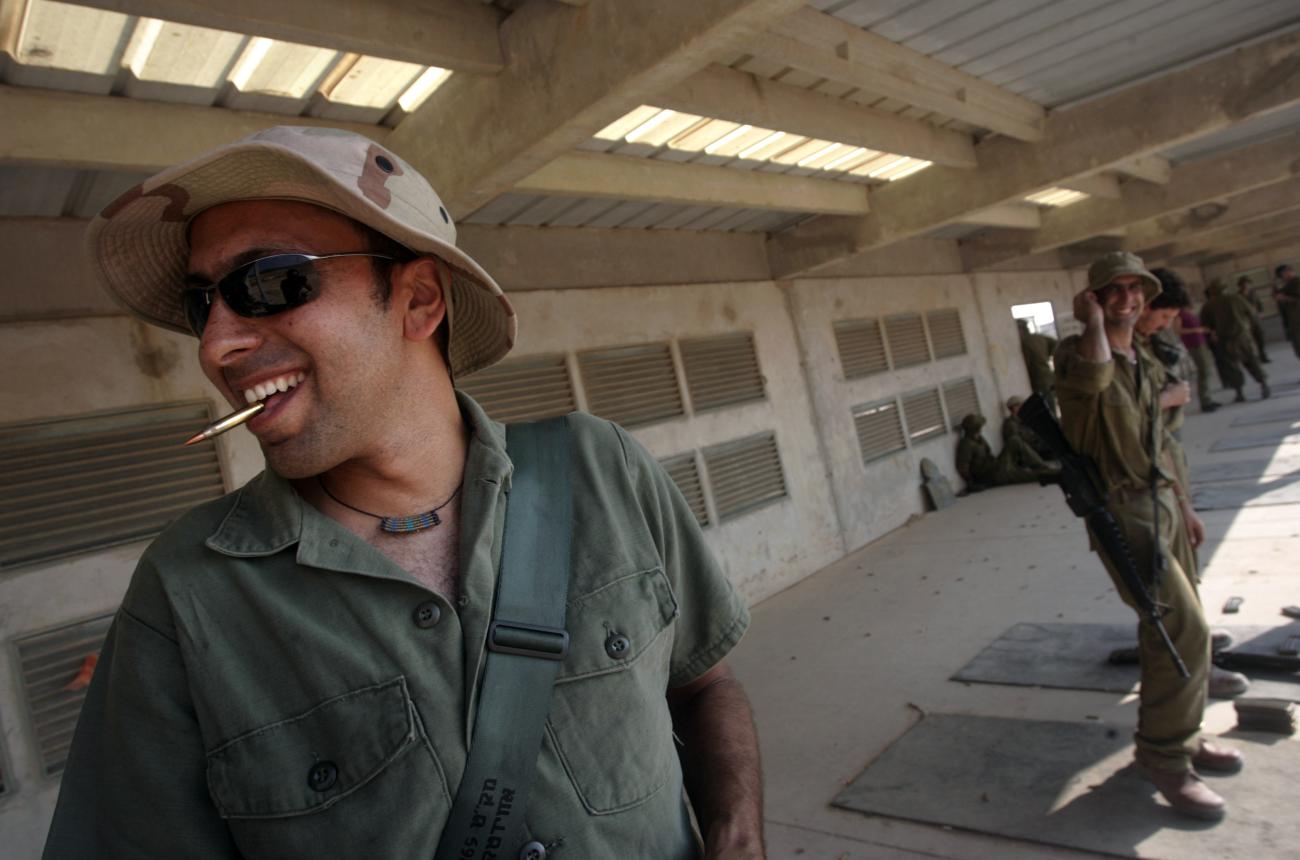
1013 427
1017 464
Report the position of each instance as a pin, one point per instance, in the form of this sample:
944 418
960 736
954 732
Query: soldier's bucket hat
1110 266
139 243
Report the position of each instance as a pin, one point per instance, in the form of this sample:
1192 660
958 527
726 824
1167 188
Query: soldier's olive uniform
978 467
1291 312
1109 411
1176 360
1256 327
1015 429
1195 344
1230 316
259 639
1037 350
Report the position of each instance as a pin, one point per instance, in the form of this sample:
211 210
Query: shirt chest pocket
609 719
331 777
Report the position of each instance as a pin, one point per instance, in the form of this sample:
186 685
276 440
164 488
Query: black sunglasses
261 288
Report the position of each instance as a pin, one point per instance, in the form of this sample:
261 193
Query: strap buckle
528 640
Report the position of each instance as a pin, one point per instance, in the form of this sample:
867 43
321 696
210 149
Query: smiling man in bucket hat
1113 394
295 667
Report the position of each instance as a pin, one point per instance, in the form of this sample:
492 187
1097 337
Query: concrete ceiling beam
736 96
1103 185
1096 135
571 72
1013 216
826 46
1259 204
88 132
1148 168
452 34
44 281
1190 185
621 177
1242 235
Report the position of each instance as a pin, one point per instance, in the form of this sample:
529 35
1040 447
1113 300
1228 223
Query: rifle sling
526 643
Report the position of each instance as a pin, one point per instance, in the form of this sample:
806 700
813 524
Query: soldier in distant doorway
1037 350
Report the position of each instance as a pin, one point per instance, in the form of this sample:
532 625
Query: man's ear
426 306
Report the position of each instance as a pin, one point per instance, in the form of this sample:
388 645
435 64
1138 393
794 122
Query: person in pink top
1194 335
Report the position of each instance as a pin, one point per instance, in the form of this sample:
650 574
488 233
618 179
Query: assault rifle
1078 480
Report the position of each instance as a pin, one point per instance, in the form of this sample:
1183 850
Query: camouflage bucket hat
139 244
1111 266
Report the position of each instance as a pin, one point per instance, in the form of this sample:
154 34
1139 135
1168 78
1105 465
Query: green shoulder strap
526 642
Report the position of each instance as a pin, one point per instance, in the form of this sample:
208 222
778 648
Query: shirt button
427 614
322 776
533 851
618 646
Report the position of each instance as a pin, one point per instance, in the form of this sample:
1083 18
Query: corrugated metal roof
1055 52
1248 133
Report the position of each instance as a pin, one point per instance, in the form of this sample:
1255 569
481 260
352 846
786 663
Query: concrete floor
845 662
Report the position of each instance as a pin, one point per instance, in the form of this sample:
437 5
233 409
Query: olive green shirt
1037 351
274 687
1231 317
1107 415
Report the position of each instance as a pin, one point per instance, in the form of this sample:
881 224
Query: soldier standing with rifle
1111 392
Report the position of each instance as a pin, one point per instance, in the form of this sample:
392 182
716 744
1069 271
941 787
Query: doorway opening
1039 316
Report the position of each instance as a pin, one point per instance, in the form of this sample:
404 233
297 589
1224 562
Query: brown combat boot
1218 759
1186 793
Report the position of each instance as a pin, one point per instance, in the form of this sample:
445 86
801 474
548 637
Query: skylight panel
63 36
372 82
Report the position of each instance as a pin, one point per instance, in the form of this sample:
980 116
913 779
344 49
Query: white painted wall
874 498
765 550
65 368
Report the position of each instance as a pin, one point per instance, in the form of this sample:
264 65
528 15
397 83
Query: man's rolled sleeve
1076 374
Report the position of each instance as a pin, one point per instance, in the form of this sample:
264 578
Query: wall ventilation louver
55 667
879 428
961 399
946 333
523 389
924 415
861 347
722 371
685 473
631 385
906 336
744 474
70 485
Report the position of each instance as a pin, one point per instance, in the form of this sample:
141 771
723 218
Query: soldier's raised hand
1087 309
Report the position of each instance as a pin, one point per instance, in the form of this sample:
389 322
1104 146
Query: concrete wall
767 549
61 368
874 498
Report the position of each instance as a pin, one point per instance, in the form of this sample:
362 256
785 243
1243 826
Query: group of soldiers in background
1227 334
